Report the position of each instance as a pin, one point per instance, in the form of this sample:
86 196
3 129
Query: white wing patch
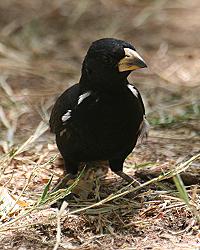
133 90
143 129
83 96
66 116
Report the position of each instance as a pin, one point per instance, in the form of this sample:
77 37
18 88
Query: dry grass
41 47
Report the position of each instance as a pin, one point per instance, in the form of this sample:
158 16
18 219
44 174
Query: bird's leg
116 166
63 182
70 173
127 178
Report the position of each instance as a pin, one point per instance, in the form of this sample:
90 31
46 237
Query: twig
59 216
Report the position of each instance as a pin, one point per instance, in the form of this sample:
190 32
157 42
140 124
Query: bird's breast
107 118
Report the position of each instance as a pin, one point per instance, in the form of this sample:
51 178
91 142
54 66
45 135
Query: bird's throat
110 83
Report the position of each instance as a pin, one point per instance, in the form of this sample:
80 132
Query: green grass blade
181 188
46 190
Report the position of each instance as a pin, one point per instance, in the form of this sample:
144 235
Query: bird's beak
131 61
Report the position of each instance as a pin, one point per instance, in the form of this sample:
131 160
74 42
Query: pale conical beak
131 61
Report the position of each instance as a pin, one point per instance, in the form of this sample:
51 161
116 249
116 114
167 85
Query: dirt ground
42 44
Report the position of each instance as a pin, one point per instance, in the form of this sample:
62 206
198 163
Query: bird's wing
62 108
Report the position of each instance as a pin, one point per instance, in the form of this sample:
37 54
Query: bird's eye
107 59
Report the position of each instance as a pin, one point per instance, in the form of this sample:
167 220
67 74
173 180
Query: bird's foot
127 178
63 182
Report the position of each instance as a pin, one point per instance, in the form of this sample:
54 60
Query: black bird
102 116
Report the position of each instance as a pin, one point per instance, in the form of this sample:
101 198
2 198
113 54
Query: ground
42 44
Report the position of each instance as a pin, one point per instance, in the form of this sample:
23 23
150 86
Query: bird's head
110 60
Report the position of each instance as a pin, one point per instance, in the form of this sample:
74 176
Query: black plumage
102 116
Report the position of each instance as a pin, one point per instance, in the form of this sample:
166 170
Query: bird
101 117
